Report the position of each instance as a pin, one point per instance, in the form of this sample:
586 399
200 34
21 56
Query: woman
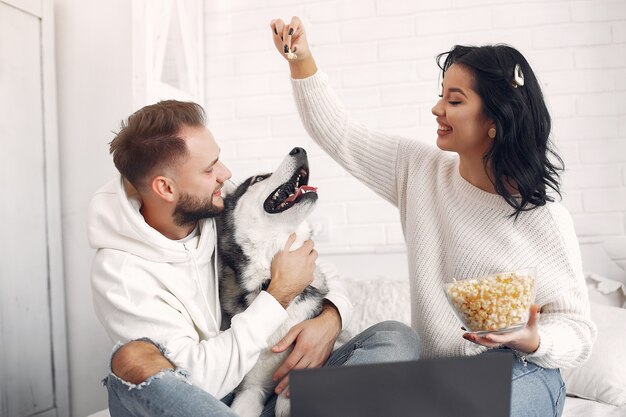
484 209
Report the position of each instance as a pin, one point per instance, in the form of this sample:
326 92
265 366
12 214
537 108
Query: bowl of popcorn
498 303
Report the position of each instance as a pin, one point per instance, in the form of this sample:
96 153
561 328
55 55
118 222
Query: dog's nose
296 151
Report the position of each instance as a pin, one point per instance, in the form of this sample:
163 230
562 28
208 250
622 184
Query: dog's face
281 200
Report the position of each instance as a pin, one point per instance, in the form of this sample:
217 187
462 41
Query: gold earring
492 133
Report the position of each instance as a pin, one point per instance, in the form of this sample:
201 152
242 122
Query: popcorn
496 303
291 55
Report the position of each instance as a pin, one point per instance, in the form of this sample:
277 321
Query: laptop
478 386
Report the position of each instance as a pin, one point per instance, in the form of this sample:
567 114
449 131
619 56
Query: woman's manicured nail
275 31
290 31
286 49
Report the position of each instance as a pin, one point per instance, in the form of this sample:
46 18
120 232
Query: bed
596 389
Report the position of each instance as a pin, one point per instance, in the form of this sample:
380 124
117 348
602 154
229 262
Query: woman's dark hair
521 151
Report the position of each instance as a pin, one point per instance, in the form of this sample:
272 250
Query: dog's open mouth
290 193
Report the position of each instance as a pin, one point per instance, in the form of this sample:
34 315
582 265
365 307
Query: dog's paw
283 406
247 404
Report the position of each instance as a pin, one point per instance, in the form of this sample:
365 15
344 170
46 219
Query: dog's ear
229 187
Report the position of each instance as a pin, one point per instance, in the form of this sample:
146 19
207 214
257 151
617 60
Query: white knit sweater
453 229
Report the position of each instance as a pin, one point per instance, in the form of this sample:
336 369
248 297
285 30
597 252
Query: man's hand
292 271
314 340
525 340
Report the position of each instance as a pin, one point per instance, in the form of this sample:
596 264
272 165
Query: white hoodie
146 285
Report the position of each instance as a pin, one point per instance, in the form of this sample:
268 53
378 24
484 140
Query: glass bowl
497 303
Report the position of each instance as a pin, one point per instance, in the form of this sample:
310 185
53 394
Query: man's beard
190 209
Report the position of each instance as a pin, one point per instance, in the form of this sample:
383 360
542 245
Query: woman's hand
525 340
290 41
290 38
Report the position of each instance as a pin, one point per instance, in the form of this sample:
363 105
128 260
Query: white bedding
574 407
365 289
578 407
366 313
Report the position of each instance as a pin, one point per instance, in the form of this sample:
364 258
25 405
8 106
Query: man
154 279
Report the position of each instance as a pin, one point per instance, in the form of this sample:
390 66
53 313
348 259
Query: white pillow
377 300
603 377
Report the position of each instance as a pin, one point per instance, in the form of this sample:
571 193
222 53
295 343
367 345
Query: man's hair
150 139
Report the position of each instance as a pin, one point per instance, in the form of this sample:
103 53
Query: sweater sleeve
565 328
131 304
337 293
369 156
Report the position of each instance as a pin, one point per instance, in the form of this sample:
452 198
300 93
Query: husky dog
257 220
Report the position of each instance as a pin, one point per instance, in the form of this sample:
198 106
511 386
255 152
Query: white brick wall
379 55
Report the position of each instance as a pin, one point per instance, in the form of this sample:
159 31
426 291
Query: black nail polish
275 31
286 49
290 31
293 49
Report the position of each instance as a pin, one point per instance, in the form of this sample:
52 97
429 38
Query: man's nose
225 173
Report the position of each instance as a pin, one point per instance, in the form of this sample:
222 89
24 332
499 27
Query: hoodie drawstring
202 289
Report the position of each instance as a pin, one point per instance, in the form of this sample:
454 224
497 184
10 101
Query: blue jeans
535 391
169 393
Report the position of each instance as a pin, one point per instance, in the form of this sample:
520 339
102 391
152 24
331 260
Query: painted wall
94 80
379 55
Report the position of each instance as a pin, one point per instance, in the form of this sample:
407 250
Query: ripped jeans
169 393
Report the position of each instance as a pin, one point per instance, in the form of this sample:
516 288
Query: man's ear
164 188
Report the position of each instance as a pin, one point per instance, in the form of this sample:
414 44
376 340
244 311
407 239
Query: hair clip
518 76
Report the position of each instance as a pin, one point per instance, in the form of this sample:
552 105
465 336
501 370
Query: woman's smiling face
462 126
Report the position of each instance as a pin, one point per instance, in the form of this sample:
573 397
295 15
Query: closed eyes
454 103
